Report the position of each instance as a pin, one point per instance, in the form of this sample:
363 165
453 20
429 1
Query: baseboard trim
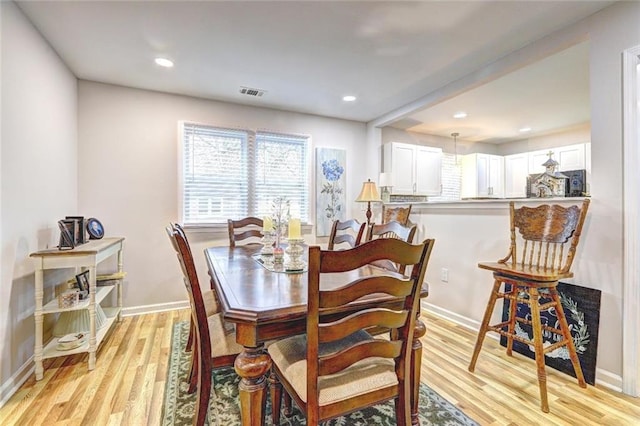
451 316
12 385
604 378
151 309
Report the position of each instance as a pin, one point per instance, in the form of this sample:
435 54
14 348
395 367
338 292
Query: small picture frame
95 229
82 279
81 229
67 234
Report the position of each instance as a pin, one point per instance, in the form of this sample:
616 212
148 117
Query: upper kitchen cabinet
516 171
482 176
416 169
570 157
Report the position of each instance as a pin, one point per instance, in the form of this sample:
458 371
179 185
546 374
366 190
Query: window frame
221 227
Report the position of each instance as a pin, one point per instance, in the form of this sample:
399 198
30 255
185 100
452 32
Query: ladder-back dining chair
215 339
543 245
348 232
337 367
211 305
243 229
394 230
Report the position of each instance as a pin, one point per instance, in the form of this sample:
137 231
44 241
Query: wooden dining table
266 305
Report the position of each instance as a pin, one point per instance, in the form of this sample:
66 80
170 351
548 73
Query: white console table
85 256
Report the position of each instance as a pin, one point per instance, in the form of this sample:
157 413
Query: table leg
416 366
252 365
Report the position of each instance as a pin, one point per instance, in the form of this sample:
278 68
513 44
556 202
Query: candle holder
278 255
294 252
267 243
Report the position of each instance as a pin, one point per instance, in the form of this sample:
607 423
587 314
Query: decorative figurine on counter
551 183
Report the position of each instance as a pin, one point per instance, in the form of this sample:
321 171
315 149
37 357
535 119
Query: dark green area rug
224 409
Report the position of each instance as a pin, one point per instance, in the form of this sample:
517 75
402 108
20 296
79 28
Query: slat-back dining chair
395 230
211 305
215 339
243 229
399 214
337 367
348 232
543 245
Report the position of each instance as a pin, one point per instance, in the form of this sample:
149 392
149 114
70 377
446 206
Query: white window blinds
230 174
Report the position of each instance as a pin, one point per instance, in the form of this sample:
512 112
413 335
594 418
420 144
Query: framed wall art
330 188
581 306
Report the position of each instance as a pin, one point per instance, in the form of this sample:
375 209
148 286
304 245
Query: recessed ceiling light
164 62
525 129
460 114
349 98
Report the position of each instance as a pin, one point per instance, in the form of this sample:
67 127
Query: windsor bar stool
537 260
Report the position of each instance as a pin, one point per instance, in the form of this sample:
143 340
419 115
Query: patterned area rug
224 409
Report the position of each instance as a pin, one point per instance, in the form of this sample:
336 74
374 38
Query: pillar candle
267 224
294 229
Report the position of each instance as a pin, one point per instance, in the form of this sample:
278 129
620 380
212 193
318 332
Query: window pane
281 171
215 174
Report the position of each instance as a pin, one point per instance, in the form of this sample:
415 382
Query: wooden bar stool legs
530 294
484 327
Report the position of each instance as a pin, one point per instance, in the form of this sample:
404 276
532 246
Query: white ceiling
547 96
309 54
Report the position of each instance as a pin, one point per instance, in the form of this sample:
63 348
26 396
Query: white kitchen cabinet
516 170
570 157
416 169
482 176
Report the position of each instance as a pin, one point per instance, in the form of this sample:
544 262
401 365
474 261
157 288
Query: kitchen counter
487 203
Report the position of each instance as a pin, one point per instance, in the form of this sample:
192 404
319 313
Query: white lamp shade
385 180
369 192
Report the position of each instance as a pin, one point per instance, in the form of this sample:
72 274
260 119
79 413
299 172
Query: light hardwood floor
127 385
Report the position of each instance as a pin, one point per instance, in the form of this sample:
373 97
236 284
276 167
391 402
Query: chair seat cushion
223 336
210 304
525 272
360 378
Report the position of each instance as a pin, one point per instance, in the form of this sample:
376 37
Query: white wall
38 176
128 172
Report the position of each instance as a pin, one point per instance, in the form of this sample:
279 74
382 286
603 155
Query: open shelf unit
83 257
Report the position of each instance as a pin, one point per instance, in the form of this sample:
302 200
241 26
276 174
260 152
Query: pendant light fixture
455 135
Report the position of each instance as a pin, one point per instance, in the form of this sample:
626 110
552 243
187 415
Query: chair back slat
343 359
542 233
243 229
392 229
346 232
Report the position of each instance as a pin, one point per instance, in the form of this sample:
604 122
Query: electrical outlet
444 275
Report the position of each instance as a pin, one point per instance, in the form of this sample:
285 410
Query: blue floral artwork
330 181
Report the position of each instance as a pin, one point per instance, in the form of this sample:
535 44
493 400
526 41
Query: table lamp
385 182
368 194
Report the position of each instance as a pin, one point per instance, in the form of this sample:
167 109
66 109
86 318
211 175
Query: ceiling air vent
249 91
